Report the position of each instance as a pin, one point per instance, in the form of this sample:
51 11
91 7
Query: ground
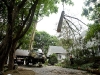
20 71
47 70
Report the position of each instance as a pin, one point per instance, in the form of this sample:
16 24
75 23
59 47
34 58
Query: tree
91 10
43 40
17 18
25 40
9 42
66 43
92 31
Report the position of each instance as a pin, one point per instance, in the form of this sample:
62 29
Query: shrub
53 59
78 61
66 63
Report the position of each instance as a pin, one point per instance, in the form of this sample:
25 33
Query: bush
53 59
78 61
46 62
85 66
66 63
83 60
96 63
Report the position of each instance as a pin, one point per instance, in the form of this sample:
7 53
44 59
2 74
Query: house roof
56 49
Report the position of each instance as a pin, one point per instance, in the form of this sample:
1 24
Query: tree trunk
6 44
2 62
11 56
5 49
11 61
4 55
32 37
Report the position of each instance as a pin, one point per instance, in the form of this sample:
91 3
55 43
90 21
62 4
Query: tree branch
5 2
76 19
21 4
70 27
30 19
18 46
24 22
72 24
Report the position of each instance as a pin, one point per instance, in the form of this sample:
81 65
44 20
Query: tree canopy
43 40
91 11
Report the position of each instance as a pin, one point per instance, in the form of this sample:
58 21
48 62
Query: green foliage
96 63
16 17
47 4
81 61
66 43
69 2
85 66
3 20
53 59
92 31
66 63
46 63
25 40
91 9
86 12
58 64
44 8
40 39
43 40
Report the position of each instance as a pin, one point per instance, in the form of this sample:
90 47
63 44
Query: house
58 50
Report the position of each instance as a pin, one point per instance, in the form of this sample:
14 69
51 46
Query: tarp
21 52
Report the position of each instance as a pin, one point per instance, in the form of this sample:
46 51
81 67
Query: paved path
54 70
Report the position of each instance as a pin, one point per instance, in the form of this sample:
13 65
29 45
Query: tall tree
43 40
91 11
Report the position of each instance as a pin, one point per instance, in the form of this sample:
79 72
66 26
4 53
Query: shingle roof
55 49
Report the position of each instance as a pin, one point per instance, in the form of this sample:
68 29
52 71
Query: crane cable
63 4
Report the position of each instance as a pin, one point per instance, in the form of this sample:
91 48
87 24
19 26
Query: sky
49 24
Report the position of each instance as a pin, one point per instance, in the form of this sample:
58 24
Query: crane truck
26 57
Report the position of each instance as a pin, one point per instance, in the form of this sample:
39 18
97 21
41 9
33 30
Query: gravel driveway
54 70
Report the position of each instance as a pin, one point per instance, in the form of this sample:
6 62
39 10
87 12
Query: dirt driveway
54 70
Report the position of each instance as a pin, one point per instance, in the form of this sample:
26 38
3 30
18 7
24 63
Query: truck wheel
40 64
27 63
15 66
22 63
